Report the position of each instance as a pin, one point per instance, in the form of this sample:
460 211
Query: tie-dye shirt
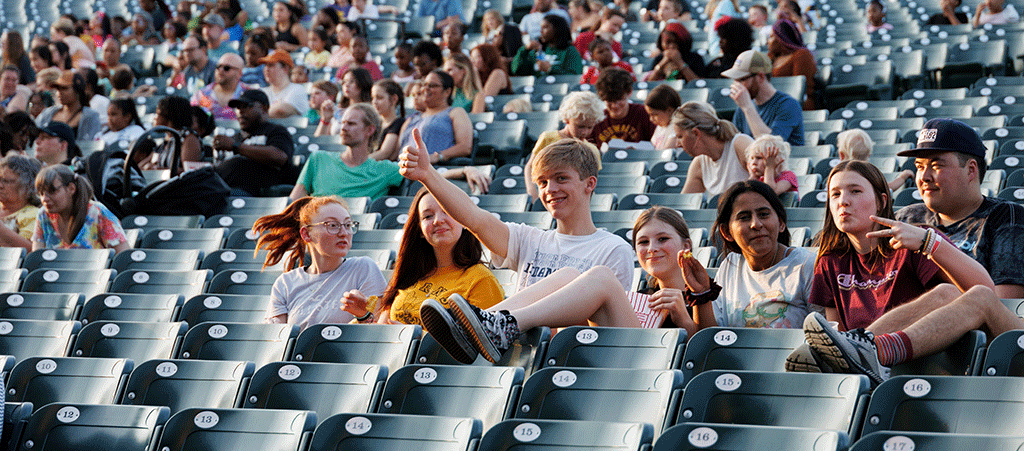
100 230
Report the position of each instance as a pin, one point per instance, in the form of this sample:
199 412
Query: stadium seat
948 404
239 260
499 142
372 432
28 338
206 240
557 435
187 283
691 201
11 257
129 340
259 343
82 259
613 347
931 441
614 220
485 393
325 388
391 345
231 222
854 115
16 415
87 282
1005 356
1013 194
241 239
602 394
237 429
151 222
40 306
384 258
507 185
182 384
627 155
512 203
527 352
232 281
224 308
676 168
256 205
71 426
753 349
43 380
729 437
832 402
131 307
157 260
963 358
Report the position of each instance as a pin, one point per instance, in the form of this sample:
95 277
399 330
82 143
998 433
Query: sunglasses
226 68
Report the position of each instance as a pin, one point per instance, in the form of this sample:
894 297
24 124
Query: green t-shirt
325 174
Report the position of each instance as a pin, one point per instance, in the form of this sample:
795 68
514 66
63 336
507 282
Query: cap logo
927 135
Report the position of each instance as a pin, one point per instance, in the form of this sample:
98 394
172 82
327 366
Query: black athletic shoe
440 325
492 333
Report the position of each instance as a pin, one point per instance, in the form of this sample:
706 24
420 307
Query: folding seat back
232 281
16 415
391 345
616 347
131 307
558 435
740 437
898 440
40 306
11 257
181 384
224 259
948 404
206 240
68 259
602 394
256 205
229 308
42 380
325 388
1005 355
87 282
259 343
963 358
25 338
485 393
186 283
157 260
726 348
129 340
231 222
83 427
153 222
818 401
527 352
237 429
372 432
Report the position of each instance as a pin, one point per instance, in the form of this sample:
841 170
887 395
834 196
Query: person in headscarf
791 57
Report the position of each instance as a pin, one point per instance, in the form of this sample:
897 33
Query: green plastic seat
559 435
485 393
157 260
206 240
186 283
242 260
726 348
181 384
1005 356
68 259
226 308
391 345
129 340
237 429
43 380
616 347
24 338
373 432
83 427
232 281
893 440
131 307
87 282
741 437
259 343
527 352
325 388
40 306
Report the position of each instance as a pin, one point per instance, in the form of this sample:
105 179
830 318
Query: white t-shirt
100 104
536 253
1007 15
129 134
293 94
772 298
370 12
316 298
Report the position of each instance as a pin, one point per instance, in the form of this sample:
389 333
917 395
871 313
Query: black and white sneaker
440 325
492 333
803 359
851 351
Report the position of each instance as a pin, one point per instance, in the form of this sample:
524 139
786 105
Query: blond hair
471 81
854 144
761 145
516 106
702 116
566 153
581 105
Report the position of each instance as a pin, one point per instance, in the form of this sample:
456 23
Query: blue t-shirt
782 114
441 9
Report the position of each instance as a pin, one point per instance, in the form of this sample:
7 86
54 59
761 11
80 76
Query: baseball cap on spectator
250 97
63 132
278 56
214 19
946 135
748 63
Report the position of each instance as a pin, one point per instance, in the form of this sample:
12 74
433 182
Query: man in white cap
762 109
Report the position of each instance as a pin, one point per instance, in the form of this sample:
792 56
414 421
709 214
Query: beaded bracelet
693 300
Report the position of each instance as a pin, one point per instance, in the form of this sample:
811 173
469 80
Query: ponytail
47 181
280 233
702 116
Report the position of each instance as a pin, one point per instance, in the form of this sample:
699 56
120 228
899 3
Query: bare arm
298 192
10 238
746 106
771 172
463 129
121 247
283 109
415 165
388 148
694 179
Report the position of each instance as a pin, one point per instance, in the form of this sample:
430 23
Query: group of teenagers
879 292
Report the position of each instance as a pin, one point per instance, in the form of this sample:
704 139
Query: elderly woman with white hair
19 200
856 144
580 112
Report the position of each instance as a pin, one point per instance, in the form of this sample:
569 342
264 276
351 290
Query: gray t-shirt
316 298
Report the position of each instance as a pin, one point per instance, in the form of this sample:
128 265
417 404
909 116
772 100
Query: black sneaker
852 351
803 359
440 325
492 333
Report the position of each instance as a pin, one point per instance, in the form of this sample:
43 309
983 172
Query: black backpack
197 192
105 171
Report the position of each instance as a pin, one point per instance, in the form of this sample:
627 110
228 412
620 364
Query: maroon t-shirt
635 126
862 294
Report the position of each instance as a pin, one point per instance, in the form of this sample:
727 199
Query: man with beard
762 109
260 153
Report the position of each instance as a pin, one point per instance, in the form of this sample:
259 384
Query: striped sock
894 348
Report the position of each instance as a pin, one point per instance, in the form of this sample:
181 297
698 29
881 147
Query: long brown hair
491 56
14 48
416 259
834 240
279 233
667 215
725 207
54 177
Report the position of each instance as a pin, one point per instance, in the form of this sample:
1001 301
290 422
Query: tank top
718 175
436 130
285 36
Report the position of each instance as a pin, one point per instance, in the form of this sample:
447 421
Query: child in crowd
516 106
70 218
766 161
361 58
318 53
856 144
404 71
603 57
624 120
660 103
321 91
299 74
